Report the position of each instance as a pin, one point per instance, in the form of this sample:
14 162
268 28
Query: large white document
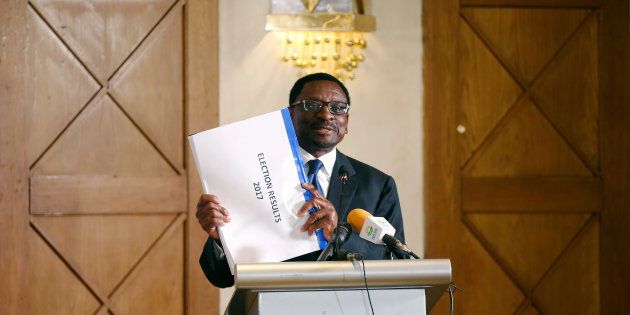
254 166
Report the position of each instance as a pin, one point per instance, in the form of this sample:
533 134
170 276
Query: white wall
385 127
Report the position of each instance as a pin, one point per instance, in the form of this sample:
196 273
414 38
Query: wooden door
105 148
516 197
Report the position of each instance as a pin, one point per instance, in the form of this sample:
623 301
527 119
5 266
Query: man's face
318 133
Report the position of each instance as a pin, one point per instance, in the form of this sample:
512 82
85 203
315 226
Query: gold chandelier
321 35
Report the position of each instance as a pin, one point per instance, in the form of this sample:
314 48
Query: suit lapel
338 193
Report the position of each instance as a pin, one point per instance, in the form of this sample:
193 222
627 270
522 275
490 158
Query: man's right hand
211 214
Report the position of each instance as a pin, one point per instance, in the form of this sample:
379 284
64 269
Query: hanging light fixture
321 35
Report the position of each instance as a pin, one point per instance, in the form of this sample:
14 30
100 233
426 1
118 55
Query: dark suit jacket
366 188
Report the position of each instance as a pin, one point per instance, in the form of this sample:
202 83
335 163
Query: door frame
14 216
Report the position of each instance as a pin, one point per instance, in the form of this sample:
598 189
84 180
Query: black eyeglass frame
321 106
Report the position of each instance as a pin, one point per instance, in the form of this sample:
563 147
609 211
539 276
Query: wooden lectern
338 287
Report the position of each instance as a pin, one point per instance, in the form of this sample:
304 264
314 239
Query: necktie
313 168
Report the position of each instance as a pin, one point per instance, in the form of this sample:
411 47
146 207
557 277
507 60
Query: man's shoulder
362 168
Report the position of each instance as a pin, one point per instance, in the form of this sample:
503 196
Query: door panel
487 98
108 182
577 269
574 114
98 97
87 239
102 130
44 296
102 33
147 81
516 240
524 144
489 290
155 285
531 143
53 69
534 34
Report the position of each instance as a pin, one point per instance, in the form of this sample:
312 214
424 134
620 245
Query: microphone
369 227
377 230
399 246
340 236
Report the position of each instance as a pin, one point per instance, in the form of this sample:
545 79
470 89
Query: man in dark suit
342 184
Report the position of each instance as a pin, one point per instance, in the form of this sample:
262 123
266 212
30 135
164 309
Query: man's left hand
324 218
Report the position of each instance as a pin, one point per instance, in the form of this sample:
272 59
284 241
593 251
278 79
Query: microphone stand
340 235
339 254
344 255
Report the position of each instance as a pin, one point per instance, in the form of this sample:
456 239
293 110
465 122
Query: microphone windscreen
343 231
357 218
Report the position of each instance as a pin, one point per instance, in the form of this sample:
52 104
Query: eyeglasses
315 106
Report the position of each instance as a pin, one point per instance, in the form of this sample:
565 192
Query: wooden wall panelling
498 294
13 158
57 282
54 69
565 194
567 94
487 94
115 29
535 35
108 160
528 309
156 284
529 143
105 247
63 194
569 100
441 204
526 244
614 73
147 77
43 297
102 130
202 96
535 3
572 284
531 178
525 145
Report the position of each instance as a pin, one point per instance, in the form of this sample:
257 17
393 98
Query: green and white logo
370 231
